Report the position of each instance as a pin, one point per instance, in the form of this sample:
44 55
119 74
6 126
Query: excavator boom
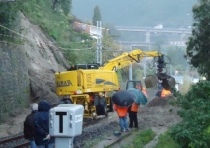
128 58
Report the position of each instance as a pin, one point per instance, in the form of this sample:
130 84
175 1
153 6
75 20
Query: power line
36 40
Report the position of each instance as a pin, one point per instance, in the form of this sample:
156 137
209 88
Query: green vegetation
9 20
58 24
198 44
141 138
165 141
96 15
78 47
193 130
56 21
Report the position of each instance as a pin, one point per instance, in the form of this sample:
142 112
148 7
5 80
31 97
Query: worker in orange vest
133 110
165 93
122 114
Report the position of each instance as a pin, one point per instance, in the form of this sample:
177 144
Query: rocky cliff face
27 69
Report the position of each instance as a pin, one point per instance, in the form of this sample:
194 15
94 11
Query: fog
145 13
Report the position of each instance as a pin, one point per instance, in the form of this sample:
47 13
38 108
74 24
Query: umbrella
123 98
140 98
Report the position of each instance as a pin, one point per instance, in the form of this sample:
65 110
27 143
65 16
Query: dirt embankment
157 115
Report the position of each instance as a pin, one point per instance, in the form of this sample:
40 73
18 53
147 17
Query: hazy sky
119 12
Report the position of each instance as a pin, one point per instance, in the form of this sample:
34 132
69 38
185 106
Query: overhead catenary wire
34 40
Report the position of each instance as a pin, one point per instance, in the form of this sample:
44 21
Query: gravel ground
158 115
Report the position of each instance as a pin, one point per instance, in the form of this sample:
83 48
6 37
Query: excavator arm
135 56
128 58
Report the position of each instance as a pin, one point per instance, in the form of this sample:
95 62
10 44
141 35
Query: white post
66 122
145 69
99 43
130 69
130 72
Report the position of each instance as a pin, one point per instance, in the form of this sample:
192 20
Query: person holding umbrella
122 114
132 112
140 98
122 100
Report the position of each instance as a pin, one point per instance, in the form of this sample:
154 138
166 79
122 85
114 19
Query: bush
142 138
165 141
193 130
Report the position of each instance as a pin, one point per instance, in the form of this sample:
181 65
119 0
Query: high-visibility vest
121 111
134 107
165 93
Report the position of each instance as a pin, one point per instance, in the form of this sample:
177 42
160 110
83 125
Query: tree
96 16
194 130
64 4
8 18
198 45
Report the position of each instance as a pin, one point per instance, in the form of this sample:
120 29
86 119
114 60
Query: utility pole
145 68
130 70
99 43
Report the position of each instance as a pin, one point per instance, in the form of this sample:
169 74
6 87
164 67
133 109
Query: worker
122 114
143 89
41 122
165 93
29 129
73 67
132 111
160 89
138 86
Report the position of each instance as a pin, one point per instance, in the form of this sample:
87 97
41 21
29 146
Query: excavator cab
167 81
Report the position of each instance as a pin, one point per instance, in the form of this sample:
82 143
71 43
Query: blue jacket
41 122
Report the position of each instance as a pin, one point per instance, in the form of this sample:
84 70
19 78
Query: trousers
133 119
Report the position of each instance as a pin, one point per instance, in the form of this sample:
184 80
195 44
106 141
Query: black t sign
61 114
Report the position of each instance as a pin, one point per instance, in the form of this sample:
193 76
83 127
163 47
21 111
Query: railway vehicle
84 83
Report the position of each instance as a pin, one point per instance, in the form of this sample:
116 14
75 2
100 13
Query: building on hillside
93 31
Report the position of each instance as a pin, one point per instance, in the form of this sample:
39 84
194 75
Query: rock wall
14 81
27 69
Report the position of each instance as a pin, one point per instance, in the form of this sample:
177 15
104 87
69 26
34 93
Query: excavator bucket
168 82
151 81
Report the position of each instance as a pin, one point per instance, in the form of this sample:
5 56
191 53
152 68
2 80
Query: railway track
18 141
15 141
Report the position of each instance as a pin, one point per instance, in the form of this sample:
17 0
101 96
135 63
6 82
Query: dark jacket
29 129
41 122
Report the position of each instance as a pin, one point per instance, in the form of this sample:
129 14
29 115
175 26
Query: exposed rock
27 69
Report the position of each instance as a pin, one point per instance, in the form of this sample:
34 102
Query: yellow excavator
86 82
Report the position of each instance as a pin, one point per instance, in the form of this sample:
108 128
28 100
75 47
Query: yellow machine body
85 81
82 85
